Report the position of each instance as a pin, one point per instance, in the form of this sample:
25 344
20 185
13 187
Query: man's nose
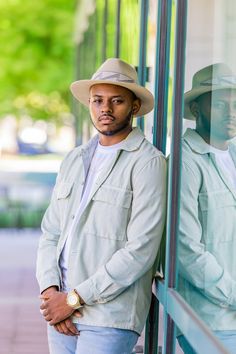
231 110
106 107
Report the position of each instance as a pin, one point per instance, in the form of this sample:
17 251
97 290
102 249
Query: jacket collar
198 144
130 143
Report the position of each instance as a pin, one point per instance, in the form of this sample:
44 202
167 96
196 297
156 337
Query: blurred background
37 126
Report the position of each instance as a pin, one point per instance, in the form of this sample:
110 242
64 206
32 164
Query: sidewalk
22 329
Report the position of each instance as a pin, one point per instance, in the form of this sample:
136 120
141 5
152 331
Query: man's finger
71 327
43 306
51 321
58 328
77 314
65 329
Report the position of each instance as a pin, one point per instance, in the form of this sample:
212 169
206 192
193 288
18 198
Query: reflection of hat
116 72
213 77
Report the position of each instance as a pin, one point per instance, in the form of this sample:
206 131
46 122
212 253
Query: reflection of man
102 229
207 243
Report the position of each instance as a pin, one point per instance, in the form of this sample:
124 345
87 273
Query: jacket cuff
47 284
87 292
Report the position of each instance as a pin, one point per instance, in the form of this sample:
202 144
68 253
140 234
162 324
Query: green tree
37 56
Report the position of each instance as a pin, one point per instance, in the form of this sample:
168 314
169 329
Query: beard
122 126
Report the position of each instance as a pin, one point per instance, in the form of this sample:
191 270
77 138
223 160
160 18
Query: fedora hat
115 72
213 77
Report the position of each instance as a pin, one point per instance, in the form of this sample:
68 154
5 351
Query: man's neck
214 141
107 140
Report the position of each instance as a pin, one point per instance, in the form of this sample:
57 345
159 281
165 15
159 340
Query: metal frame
174 168
159 136
162 74
142 70
188 322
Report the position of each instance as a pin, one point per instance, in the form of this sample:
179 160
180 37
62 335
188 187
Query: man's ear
136 106
194 108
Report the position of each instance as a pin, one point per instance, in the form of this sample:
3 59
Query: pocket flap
64 190
114 196
215 200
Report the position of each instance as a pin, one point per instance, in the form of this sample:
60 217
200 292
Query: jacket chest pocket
63 193
109 213
218 213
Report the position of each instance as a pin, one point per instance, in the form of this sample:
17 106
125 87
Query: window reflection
207 231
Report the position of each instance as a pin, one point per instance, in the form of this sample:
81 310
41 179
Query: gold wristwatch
73 300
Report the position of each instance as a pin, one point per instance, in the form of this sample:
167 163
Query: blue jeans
227 338
92 340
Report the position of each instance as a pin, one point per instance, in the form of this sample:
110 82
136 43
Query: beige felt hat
116 72
213 77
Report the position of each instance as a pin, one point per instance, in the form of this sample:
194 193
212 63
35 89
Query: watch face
72 299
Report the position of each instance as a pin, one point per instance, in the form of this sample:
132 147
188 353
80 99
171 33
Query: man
207 237
103 227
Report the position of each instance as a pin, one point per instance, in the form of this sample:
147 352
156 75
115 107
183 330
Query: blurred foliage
36 62
19 216
38 105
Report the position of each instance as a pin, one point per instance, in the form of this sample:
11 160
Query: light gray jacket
118 234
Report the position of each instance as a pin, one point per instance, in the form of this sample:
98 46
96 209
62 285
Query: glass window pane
207 229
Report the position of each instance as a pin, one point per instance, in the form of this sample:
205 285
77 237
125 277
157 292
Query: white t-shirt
102 155
224 159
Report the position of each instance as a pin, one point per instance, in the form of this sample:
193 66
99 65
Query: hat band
112 76
220 81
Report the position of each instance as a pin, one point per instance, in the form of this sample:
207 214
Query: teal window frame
142 71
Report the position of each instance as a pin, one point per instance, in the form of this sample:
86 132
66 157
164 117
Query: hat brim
189 96
80 90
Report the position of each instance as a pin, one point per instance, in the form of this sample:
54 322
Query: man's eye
96 100
219 105
117 100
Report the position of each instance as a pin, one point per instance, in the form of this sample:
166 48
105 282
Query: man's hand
49 291
54 307
67 327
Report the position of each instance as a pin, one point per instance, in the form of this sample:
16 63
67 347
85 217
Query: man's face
112 108
217 114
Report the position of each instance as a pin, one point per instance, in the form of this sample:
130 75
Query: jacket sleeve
47 272
196 264
144 233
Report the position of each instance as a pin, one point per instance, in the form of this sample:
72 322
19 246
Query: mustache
106 115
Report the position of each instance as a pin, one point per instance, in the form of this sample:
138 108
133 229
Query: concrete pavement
22 329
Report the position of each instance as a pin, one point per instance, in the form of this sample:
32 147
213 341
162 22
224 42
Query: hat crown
216 74
116 70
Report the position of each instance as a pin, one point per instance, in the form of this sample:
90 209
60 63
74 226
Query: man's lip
230 122
106 118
